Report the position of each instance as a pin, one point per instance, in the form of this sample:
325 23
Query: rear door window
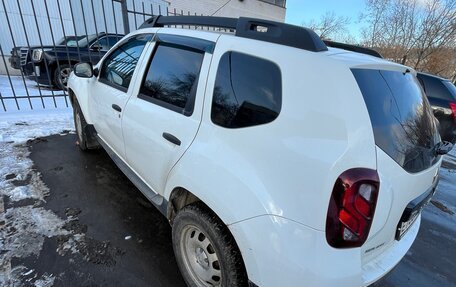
402 120
248 91
172 77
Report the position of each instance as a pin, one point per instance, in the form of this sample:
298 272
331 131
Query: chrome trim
23 54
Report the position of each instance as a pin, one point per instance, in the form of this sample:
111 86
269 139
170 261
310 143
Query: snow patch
24 228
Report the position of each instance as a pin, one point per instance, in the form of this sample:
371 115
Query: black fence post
124 9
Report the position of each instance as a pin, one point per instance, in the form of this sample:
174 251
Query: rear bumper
386 261
281 252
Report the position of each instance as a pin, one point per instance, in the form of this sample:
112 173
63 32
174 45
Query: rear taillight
453 108
352 207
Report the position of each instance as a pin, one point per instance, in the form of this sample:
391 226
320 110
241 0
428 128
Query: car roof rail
353 48
251 28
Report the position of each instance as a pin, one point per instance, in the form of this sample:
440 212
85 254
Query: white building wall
233 8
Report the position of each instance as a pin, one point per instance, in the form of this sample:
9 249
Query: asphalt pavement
127 242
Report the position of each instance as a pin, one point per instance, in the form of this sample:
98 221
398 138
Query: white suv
278 161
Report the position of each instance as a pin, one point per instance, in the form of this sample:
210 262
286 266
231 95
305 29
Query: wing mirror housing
83 70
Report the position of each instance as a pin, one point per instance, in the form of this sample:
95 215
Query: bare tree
438 29
330 26
419 33
374 17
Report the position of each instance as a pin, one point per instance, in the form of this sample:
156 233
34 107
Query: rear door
163 117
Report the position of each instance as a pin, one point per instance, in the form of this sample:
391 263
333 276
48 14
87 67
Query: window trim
111 51
189 45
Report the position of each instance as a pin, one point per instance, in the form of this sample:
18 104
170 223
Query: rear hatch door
406 136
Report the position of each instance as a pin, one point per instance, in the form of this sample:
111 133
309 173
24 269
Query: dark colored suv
441 94
18 54
51 65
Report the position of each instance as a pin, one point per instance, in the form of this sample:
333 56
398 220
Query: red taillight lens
351 208
453 108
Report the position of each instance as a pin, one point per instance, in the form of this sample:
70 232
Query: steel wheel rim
200 258
79 127
64 75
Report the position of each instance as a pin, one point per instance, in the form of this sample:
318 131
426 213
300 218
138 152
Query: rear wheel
205 250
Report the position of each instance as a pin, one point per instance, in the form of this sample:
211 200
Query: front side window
117 69
172 77
248 91
107 42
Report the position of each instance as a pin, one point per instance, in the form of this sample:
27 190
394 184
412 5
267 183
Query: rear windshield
402 120
451 88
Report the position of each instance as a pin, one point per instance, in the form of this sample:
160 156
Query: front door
162 118
110 92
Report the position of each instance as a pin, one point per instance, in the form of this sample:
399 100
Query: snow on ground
442 210
55 99
24 224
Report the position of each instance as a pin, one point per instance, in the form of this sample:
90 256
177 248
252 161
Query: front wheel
79 124
61 75
205 250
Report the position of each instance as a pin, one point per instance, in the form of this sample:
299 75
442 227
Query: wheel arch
78 90
181 197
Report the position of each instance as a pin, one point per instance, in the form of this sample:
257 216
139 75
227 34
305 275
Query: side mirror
96 47
83 70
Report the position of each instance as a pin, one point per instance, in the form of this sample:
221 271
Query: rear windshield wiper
442 148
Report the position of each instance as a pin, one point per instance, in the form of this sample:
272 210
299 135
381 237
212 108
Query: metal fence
67 31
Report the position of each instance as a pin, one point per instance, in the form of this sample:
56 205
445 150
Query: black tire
61 74
80 124
196 224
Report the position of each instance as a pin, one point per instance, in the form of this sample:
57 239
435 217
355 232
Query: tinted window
451 88
248 91
106 43
402 120
117 69
172 77
435 88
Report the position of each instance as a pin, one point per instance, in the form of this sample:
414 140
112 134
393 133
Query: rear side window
435 88
402 120
248 91
451 88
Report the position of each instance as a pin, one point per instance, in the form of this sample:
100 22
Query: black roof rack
258 29
353 48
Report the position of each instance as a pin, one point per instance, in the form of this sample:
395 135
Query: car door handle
116 107
169 137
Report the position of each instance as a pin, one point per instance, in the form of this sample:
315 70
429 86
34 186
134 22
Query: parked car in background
441 94
51 65
19 53
278 161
